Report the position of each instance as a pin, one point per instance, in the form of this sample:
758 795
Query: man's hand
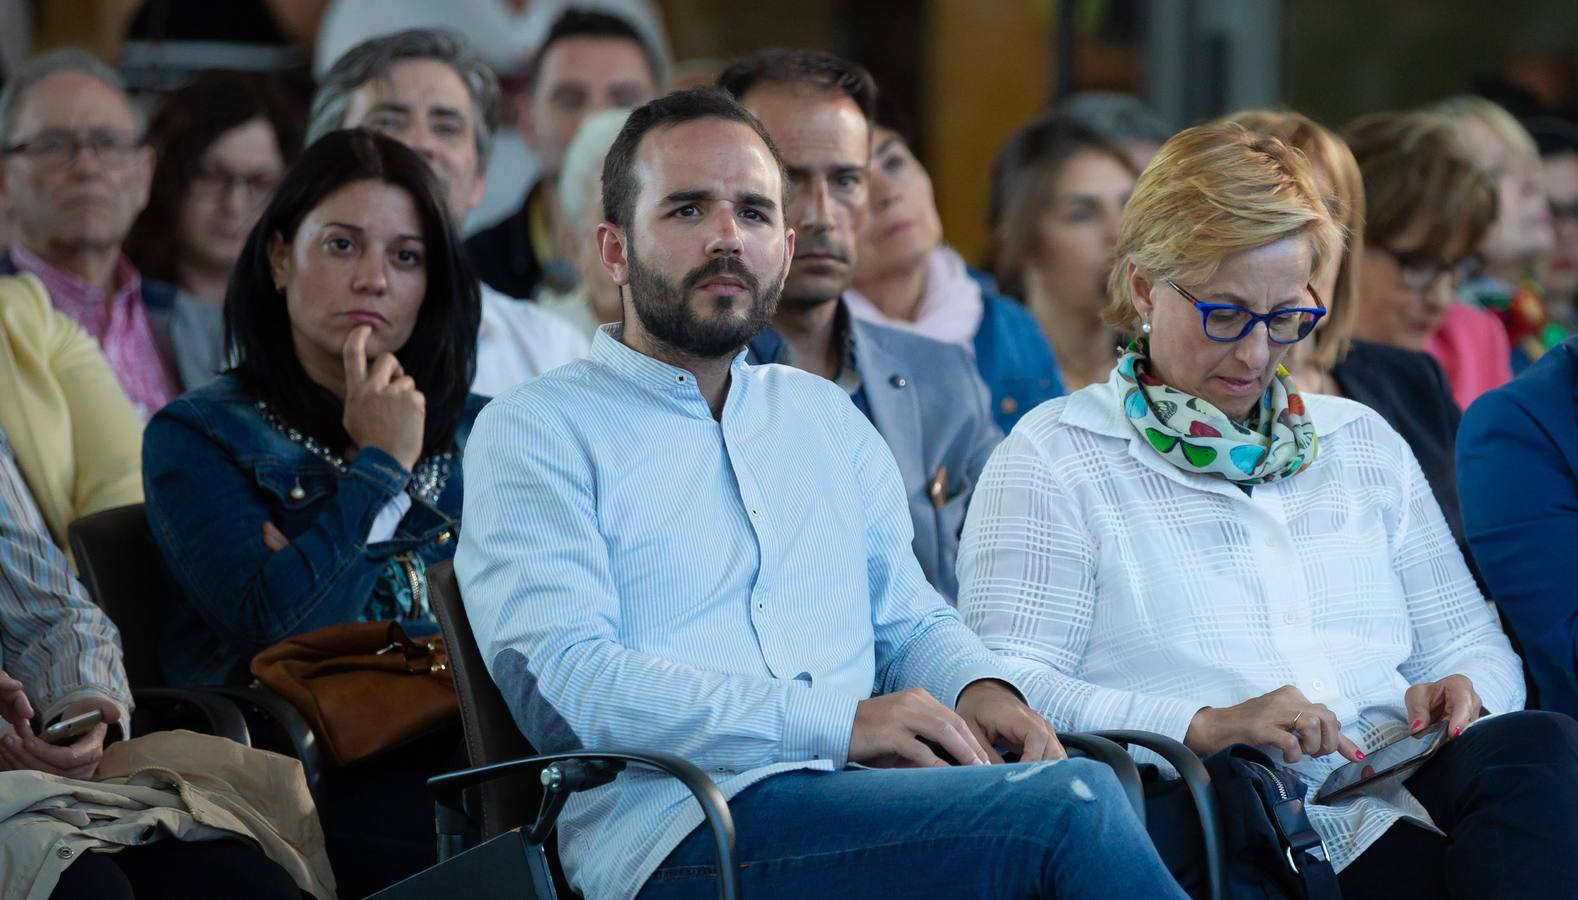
1452 698
80 759
890 730
996 715
14 706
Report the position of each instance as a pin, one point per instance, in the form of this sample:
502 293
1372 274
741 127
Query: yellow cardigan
76 437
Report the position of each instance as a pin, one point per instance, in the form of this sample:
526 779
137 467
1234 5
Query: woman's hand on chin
383 408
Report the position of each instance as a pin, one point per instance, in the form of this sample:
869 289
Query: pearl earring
1145 327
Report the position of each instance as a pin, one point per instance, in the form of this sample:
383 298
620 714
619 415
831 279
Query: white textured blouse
1132 593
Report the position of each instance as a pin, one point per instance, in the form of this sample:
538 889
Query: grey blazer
929 403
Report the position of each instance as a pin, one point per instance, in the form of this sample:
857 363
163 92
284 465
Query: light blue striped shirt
52 638
640 576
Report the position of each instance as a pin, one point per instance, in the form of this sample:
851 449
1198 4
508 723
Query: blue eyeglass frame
1317 312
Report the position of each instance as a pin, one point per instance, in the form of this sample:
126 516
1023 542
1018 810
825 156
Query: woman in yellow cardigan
76 437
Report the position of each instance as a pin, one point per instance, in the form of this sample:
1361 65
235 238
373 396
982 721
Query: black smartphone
1399 756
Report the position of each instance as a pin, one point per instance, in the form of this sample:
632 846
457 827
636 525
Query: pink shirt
120 324
950 311
1472 347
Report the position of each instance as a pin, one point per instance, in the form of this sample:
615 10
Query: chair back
125 575
490 730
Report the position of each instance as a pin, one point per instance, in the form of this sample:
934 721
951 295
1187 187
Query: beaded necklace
427 478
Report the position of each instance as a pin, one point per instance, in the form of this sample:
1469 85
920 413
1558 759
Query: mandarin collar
608 349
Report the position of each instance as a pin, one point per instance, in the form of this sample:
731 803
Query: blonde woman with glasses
1195 547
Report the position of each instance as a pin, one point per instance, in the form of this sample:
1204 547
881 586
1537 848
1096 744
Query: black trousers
377 815
176 870
1506 794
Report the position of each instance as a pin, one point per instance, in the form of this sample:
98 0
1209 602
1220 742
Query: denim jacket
213 472
1013 357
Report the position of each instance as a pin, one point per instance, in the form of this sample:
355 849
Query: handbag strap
1303 847
1306 851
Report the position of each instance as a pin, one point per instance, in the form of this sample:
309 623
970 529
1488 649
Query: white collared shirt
517 340
1131 593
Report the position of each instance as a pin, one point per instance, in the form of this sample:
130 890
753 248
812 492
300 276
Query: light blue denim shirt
641 576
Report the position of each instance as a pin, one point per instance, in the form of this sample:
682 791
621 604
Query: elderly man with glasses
75 175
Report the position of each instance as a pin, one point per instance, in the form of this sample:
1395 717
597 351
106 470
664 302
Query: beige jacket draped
170 785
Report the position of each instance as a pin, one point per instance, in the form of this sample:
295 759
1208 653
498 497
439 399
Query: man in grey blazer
924 396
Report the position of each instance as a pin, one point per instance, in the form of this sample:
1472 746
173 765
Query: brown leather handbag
365 687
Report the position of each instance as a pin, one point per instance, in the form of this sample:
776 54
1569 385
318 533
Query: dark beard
665 311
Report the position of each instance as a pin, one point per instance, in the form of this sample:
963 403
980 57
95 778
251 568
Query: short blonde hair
1212 191
1338 171
1500 122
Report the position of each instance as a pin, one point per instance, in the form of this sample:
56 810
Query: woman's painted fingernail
1457 731
1416 724
1359 753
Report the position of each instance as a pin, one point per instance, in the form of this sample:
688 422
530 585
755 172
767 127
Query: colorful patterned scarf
1278 442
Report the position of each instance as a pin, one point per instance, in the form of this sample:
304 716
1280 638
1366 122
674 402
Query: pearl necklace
427 478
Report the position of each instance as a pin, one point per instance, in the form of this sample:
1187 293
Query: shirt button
679 378
755 511
1318 685
1009 406
1290 617
445 537
760 605
64 852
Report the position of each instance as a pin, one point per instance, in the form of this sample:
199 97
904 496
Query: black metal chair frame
125 575
1198 782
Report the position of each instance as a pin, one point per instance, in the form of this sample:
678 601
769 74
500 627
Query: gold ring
1295 722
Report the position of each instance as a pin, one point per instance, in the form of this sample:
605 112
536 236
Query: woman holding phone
1197 548
314 483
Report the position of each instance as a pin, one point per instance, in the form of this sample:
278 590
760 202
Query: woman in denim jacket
313 483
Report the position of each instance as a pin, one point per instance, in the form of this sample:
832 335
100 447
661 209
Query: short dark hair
1027 165
620 184
803 68
1120 118
187 123
442 351
584 23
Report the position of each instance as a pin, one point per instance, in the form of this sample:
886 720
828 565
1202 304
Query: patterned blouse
1132 594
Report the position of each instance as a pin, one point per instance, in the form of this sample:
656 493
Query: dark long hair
184 126
441 355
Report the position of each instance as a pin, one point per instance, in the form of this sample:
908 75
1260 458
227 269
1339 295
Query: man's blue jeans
1058 829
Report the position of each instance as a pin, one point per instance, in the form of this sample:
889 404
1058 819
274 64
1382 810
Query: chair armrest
1115 758
267 711
449 787
1198 782
222 717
